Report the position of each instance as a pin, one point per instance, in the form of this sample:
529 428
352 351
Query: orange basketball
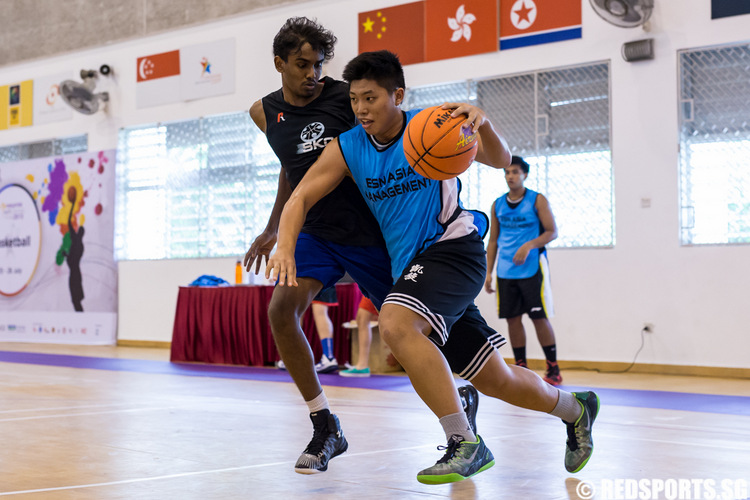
437 146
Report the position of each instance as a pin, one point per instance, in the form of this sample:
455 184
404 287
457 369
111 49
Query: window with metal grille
559 121
715 145
196 188
42 149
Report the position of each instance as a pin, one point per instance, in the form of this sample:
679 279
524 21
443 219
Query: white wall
695 296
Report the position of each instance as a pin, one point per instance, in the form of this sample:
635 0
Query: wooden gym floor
106 423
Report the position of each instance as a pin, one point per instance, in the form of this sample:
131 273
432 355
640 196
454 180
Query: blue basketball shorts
327 297
327 262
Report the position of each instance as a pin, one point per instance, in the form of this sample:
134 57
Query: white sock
457 424
568 408
319 403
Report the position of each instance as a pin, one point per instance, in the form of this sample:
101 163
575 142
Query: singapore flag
158 79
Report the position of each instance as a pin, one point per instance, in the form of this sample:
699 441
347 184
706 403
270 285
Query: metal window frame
208 181
686 114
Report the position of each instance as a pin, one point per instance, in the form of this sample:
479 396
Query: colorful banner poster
399 29
207 69
728 8
58 279
20 238
17 105
533 22
458 28
49 106
158 79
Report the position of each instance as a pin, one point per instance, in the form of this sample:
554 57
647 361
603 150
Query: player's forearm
273 221
291 222
282 196
491 256
495 151
543 239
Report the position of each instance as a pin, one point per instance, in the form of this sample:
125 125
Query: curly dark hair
300 30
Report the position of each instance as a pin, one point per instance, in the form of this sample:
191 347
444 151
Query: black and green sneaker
462 460
580 445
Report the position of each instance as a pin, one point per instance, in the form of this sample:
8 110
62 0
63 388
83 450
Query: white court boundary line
215 471
64 415
29 410
196 473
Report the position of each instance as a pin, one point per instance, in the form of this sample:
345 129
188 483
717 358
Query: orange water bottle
238 273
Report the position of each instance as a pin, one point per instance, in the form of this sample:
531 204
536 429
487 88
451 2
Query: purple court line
707 403
380 382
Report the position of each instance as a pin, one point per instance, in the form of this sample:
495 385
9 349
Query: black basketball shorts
440 284
532 296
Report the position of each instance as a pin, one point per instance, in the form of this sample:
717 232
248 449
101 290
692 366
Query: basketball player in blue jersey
338 234
428 318
521 225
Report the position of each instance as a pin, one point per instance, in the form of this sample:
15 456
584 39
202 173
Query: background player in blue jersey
339 233
439 264
521 225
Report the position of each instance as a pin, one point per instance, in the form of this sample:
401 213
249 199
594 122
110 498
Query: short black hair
381 66
517 160
300 30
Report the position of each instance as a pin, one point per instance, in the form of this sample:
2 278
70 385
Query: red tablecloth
229 325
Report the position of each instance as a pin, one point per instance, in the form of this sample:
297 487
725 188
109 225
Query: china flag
457 28
399 29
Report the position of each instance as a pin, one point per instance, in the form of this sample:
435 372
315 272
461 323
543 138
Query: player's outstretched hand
259 250
282 265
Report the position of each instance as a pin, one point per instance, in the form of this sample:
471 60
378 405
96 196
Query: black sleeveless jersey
298 134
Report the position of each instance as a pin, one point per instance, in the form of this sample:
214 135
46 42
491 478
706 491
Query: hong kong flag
457 28
399 29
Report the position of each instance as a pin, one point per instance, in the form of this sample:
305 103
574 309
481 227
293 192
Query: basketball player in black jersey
339 234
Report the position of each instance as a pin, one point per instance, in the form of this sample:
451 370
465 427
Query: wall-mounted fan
624 13
81 96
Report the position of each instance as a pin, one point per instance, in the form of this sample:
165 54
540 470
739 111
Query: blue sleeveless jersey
517 226
413 212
